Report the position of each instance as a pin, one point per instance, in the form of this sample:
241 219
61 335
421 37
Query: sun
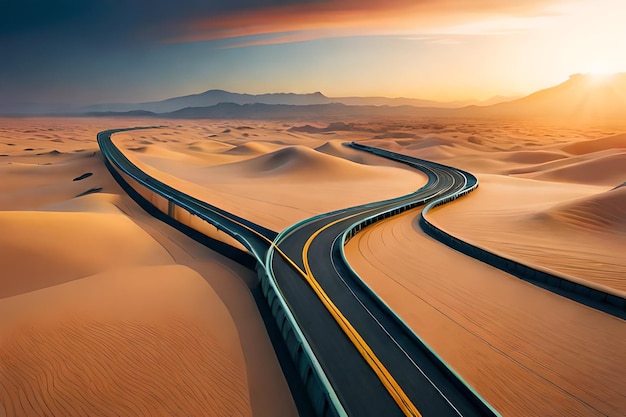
600 69
601 72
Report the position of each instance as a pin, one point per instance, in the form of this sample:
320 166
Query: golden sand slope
603 212
610 142
107 311
275 180
41 249
527 351
142 341
526 173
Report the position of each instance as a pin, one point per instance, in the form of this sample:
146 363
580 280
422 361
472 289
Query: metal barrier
323 398
321 393
587 293
584 293
359 226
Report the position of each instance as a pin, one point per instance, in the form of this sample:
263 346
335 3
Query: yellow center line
357 340
394 389
388 381
271 243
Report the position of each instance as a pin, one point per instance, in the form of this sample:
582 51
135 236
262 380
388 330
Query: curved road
375 364
257 239
418 378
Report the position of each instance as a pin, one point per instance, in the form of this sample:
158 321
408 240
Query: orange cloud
346 17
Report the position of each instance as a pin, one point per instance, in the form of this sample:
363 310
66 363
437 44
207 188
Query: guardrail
589 294
597 298
359 226
323 398
322 394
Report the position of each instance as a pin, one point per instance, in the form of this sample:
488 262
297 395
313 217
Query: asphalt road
428 385
257 239
375 364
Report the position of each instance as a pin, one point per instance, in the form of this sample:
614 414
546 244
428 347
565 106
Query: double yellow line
394 389
388 381
392 386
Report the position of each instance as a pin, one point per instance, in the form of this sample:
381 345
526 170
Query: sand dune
301 163
337 149
208 146
590 146
332 127
332 147
92 203
533 157
434 153
98 315
167 347
251 148
603 212
424 143
282 187
31 183
603 170
396 135
67 246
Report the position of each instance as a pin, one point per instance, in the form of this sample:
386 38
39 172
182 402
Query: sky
82 52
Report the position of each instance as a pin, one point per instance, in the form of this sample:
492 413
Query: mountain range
586 97
215 97
582 97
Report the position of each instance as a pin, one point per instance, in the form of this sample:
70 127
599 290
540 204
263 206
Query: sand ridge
163 349
610 142
272 183
106 311
603 211
525 350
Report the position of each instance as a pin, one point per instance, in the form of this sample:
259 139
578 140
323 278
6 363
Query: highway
375 364
419 383
257 239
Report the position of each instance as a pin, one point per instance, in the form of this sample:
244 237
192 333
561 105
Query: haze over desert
324 209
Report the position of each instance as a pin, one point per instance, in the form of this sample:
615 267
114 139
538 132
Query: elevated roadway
366 361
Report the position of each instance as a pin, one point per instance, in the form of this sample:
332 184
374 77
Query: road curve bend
379 363
353 354
587 293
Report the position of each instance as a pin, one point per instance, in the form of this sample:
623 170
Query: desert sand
550 199
546 197
267 174
107 311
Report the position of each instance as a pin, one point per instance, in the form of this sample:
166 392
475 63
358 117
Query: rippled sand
105 310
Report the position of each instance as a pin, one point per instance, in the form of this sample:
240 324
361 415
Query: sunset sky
82 52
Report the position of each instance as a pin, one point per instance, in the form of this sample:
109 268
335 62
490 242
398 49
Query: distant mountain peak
582 97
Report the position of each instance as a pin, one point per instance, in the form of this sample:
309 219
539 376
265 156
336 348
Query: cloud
300 21
111 22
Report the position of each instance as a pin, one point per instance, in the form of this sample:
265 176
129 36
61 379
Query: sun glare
601 72
600 69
